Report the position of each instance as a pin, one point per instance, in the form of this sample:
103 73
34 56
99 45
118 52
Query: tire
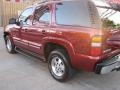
9 45
59 66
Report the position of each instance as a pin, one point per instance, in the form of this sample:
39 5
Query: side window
42 14
45 17
73 13
77 13
26 16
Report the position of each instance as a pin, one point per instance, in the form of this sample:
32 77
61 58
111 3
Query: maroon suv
67 34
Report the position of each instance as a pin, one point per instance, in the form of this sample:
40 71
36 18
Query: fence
10 9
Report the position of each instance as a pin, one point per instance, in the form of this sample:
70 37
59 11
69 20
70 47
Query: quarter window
77 13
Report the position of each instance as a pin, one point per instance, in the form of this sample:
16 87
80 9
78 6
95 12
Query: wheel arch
52 45
5 34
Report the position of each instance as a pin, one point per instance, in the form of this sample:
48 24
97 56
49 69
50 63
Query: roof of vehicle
42 2
45 2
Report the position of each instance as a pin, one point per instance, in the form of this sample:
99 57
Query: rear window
77 13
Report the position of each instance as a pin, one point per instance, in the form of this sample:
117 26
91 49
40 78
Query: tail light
96 45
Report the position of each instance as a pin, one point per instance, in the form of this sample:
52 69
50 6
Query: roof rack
39 2
44 1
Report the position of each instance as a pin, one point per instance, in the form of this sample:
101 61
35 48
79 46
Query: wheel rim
9 45
58 66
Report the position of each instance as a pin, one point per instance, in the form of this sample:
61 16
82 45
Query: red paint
75 39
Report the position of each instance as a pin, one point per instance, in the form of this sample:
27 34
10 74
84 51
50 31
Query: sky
115 17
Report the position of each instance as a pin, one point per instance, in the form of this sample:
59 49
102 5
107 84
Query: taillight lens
96 45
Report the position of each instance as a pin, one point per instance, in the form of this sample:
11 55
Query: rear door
36 32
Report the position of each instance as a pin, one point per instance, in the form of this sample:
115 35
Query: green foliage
109 24
118 26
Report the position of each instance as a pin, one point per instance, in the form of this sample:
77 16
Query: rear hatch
99 46
110 39
105 42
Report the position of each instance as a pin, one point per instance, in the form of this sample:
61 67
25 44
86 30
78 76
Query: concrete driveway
18 72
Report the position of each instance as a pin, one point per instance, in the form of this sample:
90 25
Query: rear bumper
108 65
90 63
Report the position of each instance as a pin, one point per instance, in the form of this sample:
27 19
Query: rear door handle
43 31
26 30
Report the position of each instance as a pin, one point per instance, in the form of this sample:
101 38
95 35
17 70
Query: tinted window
76 13
45 17
42 14
25 15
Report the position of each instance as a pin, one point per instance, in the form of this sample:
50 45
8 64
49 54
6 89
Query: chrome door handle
25 30
43 31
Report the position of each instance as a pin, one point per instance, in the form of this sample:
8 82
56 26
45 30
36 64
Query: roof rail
43 1
39 2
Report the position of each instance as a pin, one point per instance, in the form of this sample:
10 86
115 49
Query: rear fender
62 42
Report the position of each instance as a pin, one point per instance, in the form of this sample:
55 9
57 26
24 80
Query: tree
118 26
109 24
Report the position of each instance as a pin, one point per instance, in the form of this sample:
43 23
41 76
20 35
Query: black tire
9 45
64 59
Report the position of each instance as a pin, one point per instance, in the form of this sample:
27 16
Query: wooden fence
10 9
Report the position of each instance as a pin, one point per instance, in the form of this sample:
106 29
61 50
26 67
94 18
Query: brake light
96 45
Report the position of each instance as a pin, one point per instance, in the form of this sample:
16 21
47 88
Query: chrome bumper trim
108 65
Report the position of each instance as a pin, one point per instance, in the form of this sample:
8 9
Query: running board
29 54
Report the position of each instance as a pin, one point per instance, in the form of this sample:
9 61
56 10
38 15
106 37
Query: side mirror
18 23
12 21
